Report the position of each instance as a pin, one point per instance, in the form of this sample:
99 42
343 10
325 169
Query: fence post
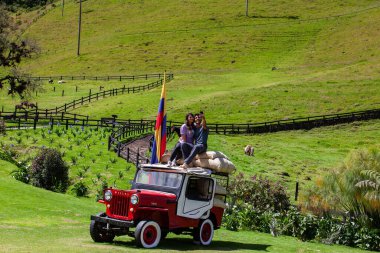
118 149
63 93
137 157
109 142
82 101
65 107
296 194
35 122
67 124
19 123
128 154
76 88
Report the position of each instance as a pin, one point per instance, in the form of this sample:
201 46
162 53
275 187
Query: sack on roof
211 155
217 164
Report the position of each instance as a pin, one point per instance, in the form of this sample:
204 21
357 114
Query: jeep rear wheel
204 233
98 234
148 234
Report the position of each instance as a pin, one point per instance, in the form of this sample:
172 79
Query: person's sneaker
169 164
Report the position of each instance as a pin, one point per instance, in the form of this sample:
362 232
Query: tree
49 171
11 54
26 3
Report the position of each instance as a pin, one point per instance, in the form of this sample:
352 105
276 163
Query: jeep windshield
158 180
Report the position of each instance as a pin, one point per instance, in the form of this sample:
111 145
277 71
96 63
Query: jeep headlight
108 195
134 199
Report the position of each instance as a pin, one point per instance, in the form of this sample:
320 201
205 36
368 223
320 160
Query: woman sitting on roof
189 150
187 136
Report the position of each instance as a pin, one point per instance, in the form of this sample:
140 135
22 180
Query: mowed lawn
35 220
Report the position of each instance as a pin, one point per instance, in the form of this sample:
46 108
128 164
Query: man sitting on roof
201 131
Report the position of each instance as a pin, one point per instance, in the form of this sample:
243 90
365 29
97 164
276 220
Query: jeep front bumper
114 222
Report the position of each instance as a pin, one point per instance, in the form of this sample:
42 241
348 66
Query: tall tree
11 54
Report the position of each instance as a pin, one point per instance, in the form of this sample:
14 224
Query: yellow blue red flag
159 143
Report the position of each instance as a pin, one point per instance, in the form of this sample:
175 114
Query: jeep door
196 197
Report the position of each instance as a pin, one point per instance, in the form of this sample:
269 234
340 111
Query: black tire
148 234
99 235
163 235
204 233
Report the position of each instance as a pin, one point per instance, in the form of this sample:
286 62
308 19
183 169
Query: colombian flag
159 143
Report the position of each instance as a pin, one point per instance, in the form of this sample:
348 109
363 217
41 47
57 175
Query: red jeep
162 199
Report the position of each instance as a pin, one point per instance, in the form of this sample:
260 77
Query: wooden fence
102 94
294 124
126 130
96 78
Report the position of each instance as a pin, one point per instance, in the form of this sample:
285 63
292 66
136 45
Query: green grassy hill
36 220
324 52
326 60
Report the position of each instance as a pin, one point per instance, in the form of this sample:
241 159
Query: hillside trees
26 3
11 54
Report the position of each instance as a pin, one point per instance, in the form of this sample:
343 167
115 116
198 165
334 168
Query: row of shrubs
48 170
261 205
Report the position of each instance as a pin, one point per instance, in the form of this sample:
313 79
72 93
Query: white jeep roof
177 169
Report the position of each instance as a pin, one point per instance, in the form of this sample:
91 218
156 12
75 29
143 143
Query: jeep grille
119 205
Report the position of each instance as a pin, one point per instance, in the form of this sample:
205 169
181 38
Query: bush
49 171
343 188
80 189
21 174
261 194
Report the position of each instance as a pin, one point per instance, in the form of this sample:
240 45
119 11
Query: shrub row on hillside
262 205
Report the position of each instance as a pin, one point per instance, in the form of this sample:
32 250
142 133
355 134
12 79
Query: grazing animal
19 107
249 150
61 81
50 81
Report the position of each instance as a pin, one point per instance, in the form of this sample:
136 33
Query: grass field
286 60
36 220
286 156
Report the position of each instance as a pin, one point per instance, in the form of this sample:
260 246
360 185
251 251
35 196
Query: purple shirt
189 133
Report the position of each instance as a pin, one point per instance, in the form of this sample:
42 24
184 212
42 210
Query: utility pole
63 6
246 8
79 26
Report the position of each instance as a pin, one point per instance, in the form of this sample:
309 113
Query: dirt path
140 145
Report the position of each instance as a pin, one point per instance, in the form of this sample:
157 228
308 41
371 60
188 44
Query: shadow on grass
184 244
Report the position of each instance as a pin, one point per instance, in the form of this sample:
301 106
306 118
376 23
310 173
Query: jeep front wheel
204 233
98 234
148 234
